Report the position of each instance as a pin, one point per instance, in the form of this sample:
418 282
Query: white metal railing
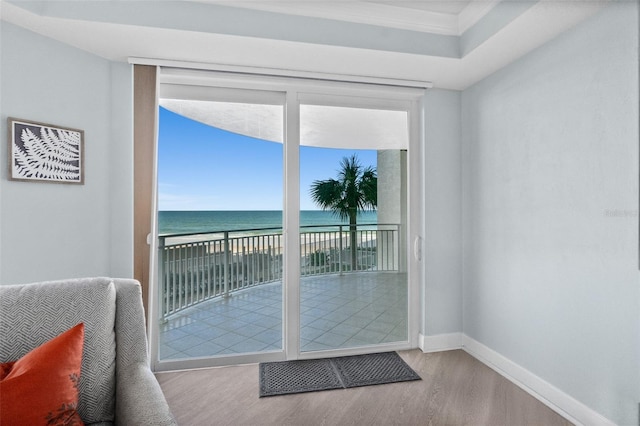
198 267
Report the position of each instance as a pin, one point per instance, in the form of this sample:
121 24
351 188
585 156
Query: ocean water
188 222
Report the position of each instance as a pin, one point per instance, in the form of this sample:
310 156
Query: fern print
46 153
65 415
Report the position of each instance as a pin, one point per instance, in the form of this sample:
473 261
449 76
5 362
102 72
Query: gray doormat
285 377
373 369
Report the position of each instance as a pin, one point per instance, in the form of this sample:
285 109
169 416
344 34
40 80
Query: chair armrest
139 399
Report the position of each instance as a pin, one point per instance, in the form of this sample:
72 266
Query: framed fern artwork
45 153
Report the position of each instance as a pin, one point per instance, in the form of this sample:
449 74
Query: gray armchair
116 384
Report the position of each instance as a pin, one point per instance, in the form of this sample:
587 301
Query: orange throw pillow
41 388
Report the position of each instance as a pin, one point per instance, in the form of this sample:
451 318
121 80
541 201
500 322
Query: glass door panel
220 180
232 188
353 226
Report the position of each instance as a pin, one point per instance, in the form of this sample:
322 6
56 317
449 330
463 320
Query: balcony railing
198 267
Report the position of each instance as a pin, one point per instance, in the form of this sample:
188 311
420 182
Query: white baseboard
562 403
440 342
559 401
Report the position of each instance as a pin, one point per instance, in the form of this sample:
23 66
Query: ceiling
453 7
444 17
452 44
320 126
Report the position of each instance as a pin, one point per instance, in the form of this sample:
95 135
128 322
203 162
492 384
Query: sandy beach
310 242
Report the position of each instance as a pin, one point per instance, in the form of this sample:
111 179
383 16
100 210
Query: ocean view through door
220 228
284 221
353 286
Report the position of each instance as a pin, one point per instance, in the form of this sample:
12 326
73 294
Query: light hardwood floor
455 389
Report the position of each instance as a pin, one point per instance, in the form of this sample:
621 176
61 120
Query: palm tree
355 190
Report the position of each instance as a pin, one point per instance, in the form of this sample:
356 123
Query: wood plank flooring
455 389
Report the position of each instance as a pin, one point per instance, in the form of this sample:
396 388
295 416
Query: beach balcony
221 293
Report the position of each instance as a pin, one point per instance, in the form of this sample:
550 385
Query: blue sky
204 168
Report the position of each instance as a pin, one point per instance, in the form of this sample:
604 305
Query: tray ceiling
452 44
451 17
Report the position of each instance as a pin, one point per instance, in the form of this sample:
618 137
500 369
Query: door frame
297 91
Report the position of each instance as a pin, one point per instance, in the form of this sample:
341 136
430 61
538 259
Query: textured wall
52 231
442 239
550 223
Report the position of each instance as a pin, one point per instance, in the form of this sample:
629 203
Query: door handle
417 248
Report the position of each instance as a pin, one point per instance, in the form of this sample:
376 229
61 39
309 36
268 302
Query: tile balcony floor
336 311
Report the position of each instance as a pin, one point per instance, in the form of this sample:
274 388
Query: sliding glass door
285 220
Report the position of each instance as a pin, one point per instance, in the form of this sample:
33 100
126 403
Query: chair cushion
42 386
32 314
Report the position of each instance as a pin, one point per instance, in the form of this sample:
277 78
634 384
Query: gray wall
50 231
550 219
442 239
